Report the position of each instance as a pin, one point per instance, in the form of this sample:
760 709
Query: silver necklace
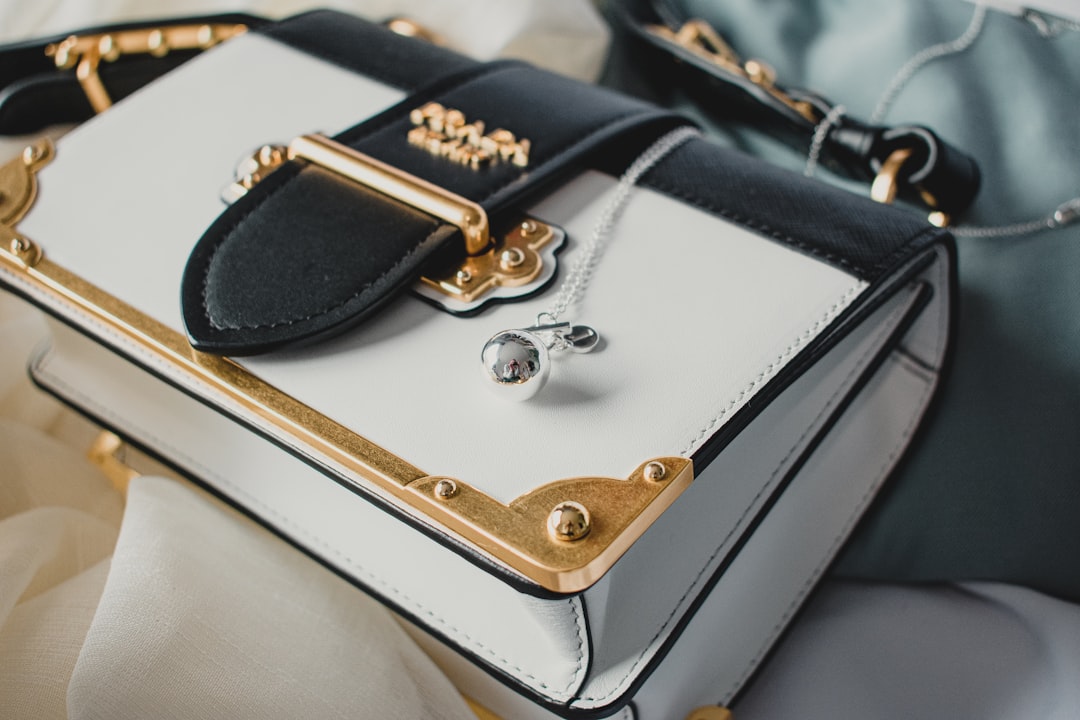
517 362
1064 214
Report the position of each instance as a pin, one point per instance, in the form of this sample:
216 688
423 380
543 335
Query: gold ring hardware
85 53
702 39
107 452
887 183
427 197
710 712
410 28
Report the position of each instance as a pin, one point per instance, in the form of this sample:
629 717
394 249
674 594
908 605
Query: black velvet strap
34 93
307 253
851 148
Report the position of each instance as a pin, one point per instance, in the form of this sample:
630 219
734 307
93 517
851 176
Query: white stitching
417 607
770 368
811 581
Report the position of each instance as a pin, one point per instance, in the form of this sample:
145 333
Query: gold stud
155 43
654 471
569 521
511 258
445 489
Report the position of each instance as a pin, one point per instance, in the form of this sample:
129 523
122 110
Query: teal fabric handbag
992 490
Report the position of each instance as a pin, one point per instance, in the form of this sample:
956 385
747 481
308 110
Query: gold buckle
506 266
427 197
700 38
86 52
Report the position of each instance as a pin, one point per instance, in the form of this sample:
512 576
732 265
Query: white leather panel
775 576
131 190
627 625
697 313
542 643
473 682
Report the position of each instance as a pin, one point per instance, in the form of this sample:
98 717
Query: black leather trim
851 148
368 49
852 233
34 94
307 254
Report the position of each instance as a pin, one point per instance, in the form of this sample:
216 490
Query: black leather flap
308 253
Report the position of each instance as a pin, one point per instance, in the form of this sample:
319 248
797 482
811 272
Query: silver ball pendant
516 364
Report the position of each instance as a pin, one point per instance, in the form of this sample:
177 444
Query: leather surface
307 253
629 628
542 644
851 147
848 470
34 94
700 311
525 641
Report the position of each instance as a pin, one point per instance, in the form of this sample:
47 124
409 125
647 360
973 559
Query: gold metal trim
427 197
701 39
85 53
445 132
515 535
886 183
710 712
513 261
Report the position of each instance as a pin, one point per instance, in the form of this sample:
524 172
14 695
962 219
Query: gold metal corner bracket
491 261
563 535
566 534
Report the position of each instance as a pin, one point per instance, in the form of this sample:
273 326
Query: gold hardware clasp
85 53
18 190
515 260
510 265
427 197
700 38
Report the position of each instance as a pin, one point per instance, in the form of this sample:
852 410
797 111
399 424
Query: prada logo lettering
445 132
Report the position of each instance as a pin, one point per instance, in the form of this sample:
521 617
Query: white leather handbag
367 346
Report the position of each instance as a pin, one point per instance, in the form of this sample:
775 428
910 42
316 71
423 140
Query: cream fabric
567 36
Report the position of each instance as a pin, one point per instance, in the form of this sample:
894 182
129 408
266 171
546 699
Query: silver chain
577 280
1066 213
925 57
